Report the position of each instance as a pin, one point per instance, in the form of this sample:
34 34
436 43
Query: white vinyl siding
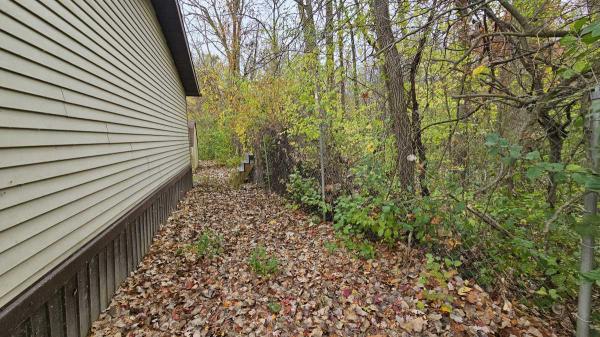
92 120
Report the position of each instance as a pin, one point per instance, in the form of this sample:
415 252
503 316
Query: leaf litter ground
318 290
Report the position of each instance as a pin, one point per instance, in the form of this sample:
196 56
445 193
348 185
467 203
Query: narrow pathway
319 290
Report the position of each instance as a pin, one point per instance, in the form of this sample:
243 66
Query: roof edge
171 22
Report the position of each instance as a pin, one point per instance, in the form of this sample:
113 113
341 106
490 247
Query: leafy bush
306 193
374 210
261 263
208 245
215 142
360 247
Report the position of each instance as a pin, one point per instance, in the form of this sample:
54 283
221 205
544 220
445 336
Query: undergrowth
378 210
208 245
262 263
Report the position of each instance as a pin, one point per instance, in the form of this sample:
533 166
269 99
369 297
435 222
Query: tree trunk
340 9
394 81
329 46
235 9
308 25
416 115
355 91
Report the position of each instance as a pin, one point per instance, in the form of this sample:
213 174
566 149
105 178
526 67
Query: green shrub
360 247
208 245
215 142
261 263
306 193
374 210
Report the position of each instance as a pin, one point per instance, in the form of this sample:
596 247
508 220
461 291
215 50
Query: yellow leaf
462 291
370 147
445 308
480 70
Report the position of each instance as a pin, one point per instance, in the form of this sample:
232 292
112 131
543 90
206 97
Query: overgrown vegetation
262 263
208 245
306 193
458 127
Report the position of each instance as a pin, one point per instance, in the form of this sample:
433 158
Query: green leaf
596 105
568 41
578 24
554 167
482 69
574 168
592 182
589 28
515 151
534 172
579 178
591 276
588 226
567 73
492 139
581 66
590 38
533 155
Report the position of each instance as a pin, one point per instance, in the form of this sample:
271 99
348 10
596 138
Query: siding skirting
70 297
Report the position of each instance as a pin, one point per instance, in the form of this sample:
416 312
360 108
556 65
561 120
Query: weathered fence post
591 204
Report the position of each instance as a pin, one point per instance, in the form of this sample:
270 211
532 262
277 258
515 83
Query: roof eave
170 19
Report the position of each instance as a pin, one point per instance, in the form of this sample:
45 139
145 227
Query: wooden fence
67 300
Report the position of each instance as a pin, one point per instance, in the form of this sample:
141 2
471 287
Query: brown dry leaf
415 325
472 297
314 292
436 220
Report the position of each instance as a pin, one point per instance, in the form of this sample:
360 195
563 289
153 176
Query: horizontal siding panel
19 138
12 283
28 42
19 175
123 36
15 119
42 121
43 36
139 37
37 240
92 120
42 33
24 93
62 180
95 31
88 101
23 137
36 207
15 157
38 64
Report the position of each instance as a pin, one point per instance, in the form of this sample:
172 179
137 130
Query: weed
361 248
261 263
274 307
331 246
208 245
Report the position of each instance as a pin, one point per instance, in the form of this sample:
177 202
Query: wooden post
591 205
